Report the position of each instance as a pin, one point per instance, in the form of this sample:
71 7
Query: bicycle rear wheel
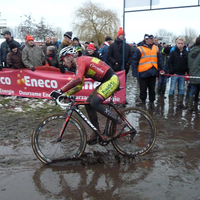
137 141
46 143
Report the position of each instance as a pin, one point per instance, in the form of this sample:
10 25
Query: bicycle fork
69 113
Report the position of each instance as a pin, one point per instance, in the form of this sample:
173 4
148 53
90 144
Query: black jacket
5 50
114 55
178 62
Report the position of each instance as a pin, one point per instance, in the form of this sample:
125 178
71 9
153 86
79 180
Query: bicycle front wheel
139 139
47 145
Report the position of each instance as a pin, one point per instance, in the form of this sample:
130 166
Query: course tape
181 76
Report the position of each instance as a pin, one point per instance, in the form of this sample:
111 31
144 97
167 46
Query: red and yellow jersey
89 67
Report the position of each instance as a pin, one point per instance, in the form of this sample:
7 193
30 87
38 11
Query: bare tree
94 23
162 33
190 34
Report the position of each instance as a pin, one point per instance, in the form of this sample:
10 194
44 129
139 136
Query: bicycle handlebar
65 97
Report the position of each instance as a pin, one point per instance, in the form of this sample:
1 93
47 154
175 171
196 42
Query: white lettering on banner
5 81
40 83
7 91
89 85
30 93
44 94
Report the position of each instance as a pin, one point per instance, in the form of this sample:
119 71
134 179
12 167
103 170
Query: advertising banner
40 83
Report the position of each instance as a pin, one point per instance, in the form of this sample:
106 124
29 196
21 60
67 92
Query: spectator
47 43
79 47
51 57
133 47
91 51
85 47
92 42
115 51
145 66
178 65
67 41
163 78
79 51
155 40
104 52
55 42
32 55
194 70
14 57
5 47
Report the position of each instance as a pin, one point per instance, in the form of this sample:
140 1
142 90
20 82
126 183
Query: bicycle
62 137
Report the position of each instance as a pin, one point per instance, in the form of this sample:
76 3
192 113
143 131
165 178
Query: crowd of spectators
148 59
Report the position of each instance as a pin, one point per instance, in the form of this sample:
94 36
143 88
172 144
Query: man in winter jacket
5 47
104 52
115 52
145 66
178 66
194 70
32 55
67 41
47 44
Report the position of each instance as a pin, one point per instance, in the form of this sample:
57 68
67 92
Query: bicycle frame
74 108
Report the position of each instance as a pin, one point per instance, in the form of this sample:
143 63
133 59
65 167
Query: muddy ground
171 170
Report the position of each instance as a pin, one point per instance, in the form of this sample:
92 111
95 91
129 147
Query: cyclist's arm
76 88
80 70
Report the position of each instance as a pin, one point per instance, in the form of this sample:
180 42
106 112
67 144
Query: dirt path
169 171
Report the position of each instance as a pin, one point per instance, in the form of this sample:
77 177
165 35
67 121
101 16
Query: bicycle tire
45 142
140 143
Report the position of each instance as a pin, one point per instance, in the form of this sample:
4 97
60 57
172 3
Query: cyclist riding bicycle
91 67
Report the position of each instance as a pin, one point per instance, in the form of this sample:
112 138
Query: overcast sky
59 13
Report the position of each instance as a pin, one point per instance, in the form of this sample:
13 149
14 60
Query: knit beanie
28 38
120 32
75 38
12 46
68 34
91 46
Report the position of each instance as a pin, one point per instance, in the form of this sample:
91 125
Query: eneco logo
31 82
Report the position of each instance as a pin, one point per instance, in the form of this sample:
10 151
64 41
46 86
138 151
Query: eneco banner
44 79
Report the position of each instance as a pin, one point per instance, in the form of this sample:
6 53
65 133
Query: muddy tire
140 140
49 149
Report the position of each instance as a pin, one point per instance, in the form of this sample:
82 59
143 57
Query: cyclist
91 67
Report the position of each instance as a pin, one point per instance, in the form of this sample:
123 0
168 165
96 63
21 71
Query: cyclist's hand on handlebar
56 93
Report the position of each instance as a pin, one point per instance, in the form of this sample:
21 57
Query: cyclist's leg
103 92
92 114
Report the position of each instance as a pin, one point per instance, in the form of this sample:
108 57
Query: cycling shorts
106 88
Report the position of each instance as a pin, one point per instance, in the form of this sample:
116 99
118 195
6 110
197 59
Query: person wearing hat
146 64
106 44
32 55
80 48
14 57
5 47
67 41
115 53
91 51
